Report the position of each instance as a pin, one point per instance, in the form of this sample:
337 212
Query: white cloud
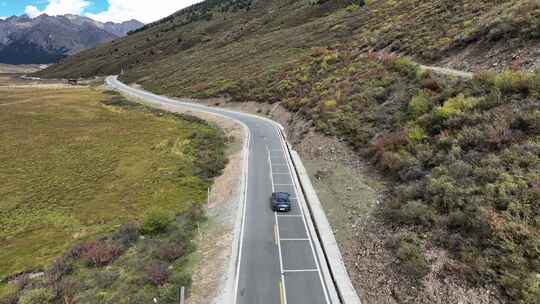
59 7
3 18
143 10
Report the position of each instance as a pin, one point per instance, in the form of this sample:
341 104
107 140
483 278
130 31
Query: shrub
405 67
416 134
352 7
458 220
156 221
58 269
66 290
196 213
430 84
456 106
100 253
389 142
519 123
513 82
106 278
535 85
181 278
156 273
168 293
37 296
414 212
284 87
419 104
329 105
331 57
170 252
127 234
411 257
389 59
524 288
391 161
486 78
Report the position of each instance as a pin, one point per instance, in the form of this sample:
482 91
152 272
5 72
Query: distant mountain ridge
47 39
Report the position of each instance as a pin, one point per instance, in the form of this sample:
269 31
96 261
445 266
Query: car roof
281 194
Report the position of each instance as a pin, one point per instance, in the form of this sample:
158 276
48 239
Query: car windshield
282 197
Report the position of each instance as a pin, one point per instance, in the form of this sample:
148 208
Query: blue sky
102 10
16 7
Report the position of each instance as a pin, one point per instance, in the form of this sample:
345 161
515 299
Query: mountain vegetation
47 39
462 155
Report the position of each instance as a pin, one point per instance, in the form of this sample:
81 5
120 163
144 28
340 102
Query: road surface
277 260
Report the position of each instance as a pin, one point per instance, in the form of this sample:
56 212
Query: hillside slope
227 40
461 156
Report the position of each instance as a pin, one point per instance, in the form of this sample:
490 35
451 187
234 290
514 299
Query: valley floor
87 180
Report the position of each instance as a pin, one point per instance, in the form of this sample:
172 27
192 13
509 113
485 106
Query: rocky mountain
47 39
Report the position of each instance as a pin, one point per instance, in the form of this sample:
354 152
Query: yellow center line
275 234
281 296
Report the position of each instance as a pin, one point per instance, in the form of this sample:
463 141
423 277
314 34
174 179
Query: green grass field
72 168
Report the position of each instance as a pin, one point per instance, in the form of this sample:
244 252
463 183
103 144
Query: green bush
413 213
352 7
37 296
524 288
405 67
416 134
329 105
391 161
156 221
419 104
535 86
411 257
513 81
485 78
456 106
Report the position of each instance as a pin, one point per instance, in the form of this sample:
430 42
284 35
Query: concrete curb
323 265
339 273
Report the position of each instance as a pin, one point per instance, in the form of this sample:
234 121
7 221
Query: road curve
277 260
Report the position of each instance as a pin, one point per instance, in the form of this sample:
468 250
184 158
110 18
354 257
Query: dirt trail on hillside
448 72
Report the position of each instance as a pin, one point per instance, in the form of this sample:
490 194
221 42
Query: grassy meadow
76 164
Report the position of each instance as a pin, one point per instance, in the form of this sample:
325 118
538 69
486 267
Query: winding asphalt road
277 259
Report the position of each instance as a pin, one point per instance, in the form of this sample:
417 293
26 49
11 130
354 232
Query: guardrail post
182 294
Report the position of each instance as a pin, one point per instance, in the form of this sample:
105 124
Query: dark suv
280 201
